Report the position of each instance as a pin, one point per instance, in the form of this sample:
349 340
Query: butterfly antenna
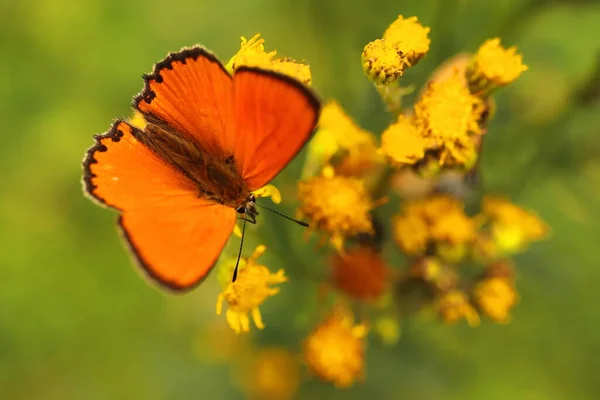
235 271
302 223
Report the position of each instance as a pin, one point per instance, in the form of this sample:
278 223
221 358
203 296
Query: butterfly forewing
175 234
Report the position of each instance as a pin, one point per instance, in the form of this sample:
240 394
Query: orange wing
193 93
274 116
175 235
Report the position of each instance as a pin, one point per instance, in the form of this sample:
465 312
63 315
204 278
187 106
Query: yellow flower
138 120
273 374
340 138
448 115
269 191
402 143
248 292
334 351
454 305
337 205
433 271
512 228
495 297
494 66
382 62
360 273
410 37
252 53
410 233
403 44
453 227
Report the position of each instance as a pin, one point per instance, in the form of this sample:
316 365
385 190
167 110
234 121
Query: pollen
448 114
252 54
494 66
248 292
402 142
337 205
335 349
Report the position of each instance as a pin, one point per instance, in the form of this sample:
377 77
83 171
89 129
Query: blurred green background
76 320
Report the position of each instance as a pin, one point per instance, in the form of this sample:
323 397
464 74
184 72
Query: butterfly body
211 139
217 175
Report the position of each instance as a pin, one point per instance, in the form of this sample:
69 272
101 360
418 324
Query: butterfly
211 139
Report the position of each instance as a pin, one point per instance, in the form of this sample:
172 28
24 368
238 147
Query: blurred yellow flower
436 219
495 297
138 120
403 44
334 351
248 292
252 53
337 205
454 227
512 228
494 66
436 273
361 273
402 142
341 138
217 343
454 306
269 191
388 329
411 233
448 115
272 374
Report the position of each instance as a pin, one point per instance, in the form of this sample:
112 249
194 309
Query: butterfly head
248 208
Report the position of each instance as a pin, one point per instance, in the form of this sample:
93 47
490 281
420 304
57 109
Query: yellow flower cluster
436 220
436 231
403 44
444 122
345 169
449 118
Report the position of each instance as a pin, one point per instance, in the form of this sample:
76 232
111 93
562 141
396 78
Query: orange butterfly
211 139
